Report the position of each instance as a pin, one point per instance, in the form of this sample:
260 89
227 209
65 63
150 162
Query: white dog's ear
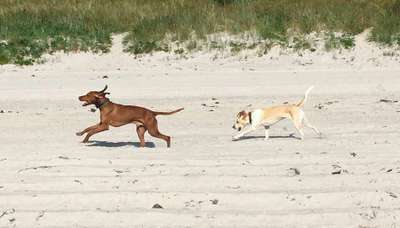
242 113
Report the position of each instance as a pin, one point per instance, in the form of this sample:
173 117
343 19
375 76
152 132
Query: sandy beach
348 178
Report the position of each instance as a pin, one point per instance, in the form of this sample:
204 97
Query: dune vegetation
31 28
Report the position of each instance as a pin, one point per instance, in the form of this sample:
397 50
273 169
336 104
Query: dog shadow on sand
119 144
291 136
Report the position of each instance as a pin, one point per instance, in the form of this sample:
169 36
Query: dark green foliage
387 26
227 2
343 41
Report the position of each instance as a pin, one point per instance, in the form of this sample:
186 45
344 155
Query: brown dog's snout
85 99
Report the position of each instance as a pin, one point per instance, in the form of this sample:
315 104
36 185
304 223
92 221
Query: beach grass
31 28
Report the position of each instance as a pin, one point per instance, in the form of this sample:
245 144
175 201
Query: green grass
33 27
334 41
30 28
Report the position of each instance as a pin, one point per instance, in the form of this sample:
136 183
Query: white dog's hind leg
307 123
300 132
298 123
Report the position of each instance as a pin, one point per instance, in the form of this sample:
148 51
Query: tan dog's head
93 97
242 119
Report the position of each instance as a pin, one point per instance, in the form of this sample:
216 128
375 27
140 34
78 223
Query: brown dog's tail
303 101
167 113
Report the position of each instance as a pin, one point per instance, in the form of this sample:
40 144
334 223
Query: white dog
271 115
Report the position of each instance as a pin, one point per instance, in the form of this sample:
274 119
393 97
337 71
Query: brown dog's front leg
100 128
87 129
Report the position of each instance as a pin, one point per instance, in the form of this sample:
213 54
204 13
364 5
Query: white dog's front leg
244 132
266 132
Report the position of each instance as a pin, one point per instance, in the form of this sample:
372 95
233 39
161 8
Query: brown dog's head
242 119
94 97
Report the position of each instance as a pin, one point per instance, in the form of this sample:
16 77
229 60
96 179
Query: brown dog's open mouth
85 104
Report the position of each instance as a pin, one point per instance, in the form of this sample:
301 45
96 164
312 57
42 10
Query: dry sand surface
349 178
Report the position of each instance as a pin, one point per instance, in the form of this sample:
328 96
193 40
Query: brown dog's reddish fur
117 115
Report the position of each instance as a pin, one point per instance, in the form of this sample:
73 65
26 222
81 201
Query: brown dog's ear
100 96
105 88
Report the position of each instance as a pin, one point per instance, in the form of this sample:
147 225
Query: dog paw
235 138
85 141
78 134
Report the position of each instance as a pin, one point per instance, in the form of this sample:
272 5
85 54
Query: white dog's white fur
268 116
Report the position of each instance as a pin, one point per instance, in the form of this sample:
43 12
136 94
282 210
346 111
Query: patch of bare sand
348 179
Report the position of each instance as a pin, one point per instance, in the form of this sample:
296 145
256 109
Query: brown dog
118 115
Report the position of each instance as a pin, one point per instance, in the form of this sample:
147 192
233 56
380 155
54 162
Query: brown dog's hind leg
100 128
140 131
152 127
157 134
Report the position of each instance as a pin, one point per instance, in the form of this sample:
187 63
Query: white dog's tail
303 101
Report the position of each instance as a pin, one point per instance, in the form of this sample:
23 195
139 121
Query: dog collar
102 104
250 120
